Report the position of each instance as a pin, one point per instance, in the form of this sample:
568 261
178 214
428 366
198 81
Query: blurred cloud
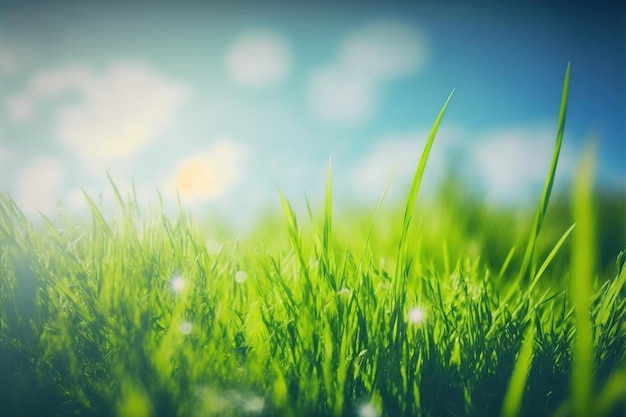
20 107
398 156
210 173
118 111
141 103
259 59
46 85
393 156
507 164
37 185
14 58
6 156
345 92
340 97
512 162
384 51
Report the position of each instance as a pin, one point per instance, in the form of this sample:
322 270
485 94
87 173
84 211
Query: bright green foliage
583 266
418 310
547 191
517 385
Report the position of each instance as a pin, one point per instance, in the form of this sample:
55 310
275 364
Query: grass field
449 308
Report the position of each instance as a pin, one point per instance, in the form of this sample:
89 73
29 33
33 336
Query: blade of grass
583 264
415 185
542 269
98 219
612 394
506 262
515 391
545 197
612 296
294 233
371 228
328 214
550 256
116 192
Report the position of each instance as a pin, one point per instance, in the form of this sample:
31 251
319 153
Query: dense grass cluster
406 315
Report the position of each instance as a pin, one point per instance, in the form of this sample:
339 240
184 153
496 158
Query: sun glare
196 178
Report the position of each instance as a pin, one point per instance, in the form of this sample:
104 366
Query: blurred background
225 104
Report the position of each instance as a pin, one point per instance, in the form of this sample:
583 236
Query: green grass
422 310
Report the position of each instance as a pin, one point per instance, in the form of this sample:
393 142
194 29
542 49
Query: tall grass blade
527 295
583 265
550 256
547 190
513 398
294 233
98 219
415 185
371 228
506 262
116 192
613 392
328 214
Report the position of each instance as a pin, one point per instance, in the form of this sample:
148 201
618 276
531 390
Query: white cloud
123 111
118 111
37 185
514 162
20 107
210 173
259 59
48 84
391 156
6 157
399 155
14 58
340 98
74 200
345 92
508 164
383 51
9 63
45 86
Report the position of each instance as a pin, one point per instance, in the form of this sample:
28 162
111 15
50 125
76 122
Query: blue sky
227 104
